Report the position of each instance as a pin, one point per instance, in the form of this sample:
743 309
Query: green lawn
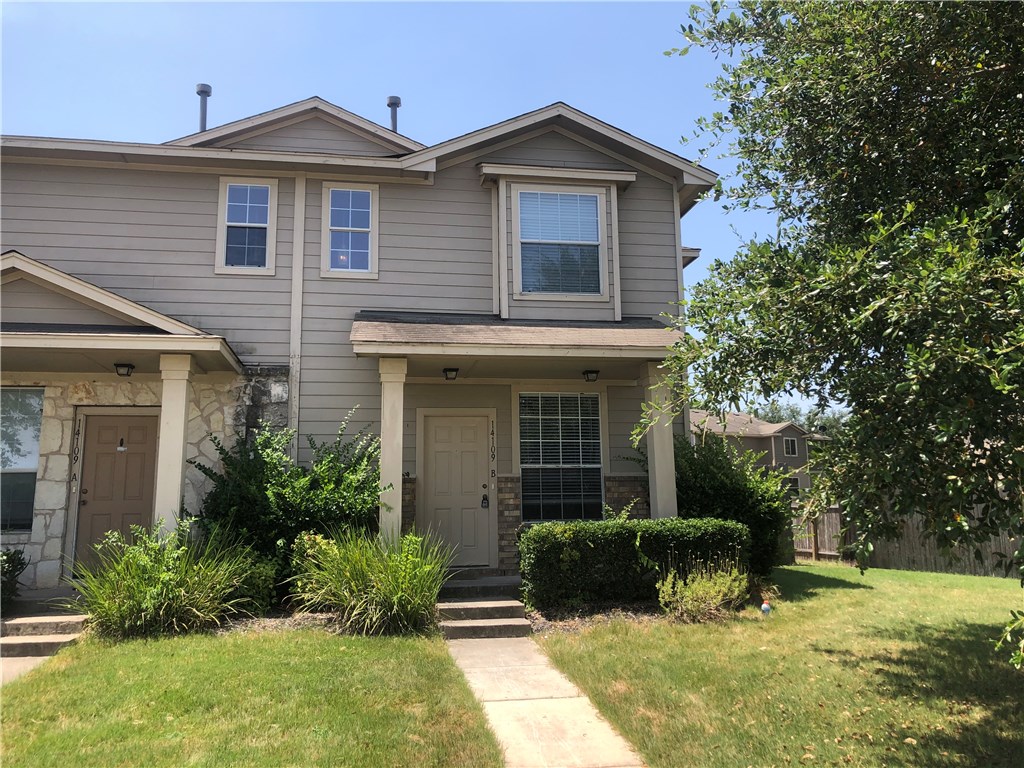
887 669
285 698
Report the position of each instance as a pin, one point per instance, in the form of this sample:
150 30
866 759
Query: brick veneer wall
408 503
620 490
510 516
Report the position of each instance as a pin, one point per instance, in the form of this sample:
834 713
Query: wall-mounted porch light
123 369
450 374
590 376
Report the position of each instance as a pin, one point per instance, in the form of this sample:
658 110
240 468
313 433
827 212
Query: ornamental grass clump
154 583
376 586
704 590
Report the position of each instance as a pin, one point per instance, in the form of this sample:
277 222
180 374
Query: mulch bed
576 620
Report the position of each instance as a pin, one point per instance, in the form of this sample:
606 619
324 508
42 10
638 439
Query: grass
285 698
890 668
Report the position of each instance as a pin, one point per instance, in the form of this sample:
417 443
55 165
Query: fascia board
507 350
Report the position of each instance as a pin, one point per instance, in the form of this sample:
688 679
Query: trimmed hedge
576 563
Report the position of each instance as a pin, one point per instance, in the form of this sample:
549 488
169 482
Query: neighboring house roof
737 424
428 333
313 106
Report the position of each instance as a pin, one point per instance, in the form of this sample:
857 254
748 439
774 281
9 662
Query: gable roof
561 114
737 424
14 265
314 105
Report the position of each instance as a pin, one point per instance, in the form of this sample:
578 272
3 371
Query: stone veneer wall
221 405
510 517
620 490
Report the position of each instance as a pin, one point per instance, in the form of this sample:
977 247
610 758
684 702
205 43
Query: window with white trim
560 456
559 236
21 418
349 231
247 226
791 485
789 446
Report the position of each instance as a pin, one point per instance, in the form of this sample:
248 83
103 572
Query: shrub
12 564
715 480
374 585
160 585
576 563
257 592
703 590
267 500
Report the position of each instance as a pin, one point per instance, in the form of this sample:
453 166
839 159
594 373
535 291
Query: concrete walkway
540 718
13 667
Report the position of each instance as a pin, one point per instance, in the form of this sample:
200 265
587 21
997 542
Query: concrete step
458 610
483 587
480 628
34 645
49 624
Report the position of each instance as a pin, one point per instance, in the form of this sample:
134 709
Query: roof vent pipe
204 92
393 104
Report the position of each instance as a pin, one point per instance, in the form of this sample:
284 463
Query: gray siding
313 135
647 248
623 414
435 256
149 236
554 149
27 302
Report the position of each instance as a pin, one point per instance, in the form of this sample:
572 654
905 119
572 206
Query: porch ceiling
524 368
97 353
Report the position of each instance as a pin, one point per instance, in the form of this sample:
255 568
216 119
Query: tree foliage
889 140
827 421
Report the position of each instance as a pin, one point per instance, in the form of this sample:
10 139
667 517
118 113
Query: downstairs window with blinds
560 456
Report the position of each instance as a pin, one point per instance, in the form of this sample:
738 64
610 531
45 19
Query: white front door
455 483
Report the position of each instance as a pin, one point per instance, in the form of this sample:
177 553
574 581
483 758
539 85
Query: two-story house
783 445
490 303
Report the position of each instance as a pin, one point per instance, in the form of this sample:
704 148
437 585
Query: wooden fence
820 540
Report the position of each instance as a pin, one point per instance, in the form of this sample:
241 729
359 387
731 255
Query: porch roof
431 333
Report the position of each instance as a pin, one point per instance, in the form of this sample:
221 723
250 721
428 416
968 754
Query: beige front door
456 465
118 474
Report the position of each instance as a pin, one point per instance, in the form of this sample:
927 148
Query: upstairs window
247 231
349 231
21 417
789 446
560 248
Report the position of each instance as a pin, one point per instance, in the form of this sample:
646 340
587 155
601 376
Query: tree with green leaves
827 421
888 137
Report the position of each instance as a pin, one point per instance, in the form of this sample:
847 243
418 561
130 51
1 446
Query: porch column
176 373
392 414
661 460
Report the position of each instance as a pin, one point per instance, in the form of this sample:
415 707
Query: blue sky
127 72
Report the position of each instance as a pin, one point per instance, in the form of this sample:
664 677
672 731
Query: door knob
485 502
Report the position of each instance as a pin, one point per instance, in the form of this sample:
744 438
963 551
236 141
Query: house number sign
494 452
